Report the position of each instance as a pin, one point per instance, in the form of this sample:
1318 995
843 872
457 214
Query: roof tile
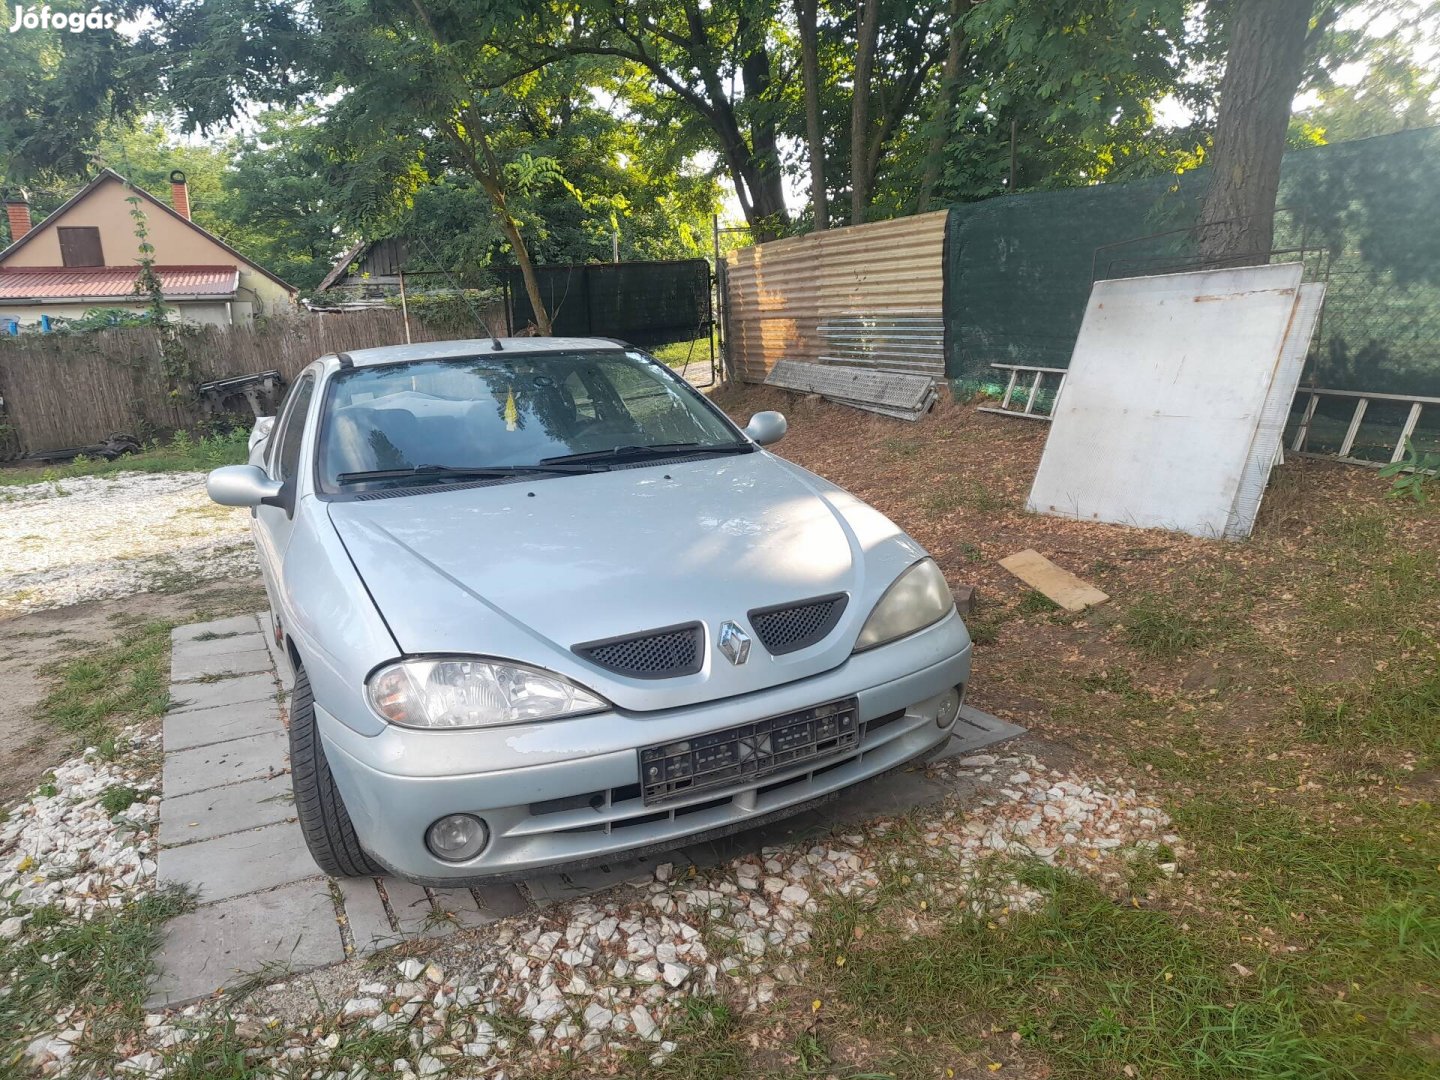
113 282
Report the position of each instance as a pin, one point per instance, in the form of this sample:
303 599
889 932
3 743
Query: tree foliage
537 130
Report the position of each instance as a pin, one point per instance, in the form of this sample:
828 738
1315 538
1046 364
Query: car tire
329 834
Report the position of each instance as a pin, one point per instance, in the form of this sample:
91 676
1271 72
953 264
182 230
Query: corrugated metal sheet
837 295
113 282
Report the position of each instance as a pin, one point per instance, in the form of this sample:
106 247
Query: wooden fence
62 390
840 296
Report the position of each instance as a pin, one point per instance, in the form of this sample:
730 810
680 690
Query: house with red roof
86 256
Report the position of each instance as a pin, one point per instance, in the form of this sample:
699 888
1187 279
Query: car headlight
466 693
918 598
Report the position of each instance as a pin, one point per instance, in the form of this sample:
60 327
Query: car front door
282 462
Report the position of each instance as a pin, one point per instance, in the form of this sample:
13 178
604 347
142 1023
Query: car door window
285 450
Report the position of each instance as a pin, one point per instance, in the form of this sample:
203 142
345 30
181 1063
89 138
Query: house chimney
180 194
17 209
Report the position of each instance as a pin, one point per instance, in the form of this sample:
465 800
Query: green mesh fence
1363 216
646 303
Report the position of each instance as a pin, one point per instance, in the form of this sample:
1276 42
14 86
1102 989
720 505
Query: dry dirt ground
30 644
957 482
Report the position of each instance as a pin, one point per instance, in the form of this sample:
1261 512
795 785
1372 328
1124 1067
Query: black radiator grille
655 654
788 628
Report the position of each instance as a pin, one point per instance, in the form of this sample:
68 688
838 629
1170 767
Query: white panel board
1265 451
1163 398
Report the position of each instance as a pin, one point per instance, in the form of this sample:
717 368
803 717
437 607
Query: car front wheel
323 819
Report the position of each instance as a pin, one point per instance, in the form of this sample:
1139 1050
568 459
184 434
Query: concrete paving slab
238 863
280 662
192 696
290 929
463 908
410 904
365 914
204 767
975 729
233 808
185 665
238 624
501 900
224 723
547 888
221 645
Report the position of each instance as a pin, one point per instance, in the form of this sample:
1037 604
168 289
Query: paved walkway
228 832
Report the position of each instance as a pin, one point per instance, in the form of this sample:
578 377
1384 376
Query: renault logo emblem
734 643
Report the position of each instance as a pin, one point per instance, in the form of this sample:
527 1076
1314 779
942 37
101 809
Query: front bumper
567 791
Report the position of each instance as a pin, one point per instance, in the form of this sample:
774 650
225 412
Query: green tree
416 83
147 151
277 199
61 90
690 61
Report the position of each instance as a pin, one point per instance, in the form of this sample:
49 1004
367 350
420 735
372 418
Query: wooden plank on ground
1060 586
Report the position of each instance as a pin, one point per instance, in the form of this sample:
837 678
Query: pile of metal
889 393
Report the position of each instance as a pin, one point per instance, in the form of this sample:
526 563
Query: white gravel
69 541
64 849
596 978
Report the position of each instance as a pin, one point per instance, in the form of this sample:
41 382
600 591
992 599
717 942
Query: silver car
546 604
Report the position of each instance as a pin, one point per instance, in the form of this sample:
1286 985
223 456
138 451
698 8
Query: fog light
457 837
949 707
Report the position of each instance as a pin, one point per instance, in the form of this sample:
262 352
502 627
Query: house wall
175 244
203 313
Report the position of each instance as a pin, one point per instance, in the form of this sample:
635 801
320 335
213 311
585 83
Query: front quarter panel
328 614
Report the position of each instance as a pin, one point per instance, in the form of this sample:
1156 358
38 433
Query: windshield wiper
650 450
450 472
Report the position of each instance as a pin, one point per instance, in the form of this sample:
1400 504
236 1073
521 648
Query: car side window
285 456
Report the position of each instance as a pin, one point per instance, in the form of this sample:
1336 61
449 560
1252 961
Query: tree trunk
944 105
768 190
805 17
866 33
1262 72
490 177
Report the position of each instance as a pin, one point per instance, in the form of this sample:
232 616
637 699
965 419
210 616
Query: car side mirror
242 485
767 427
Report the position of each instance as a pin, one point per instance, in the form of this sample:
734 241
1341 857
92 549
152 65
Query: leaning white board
1164 396
1271 430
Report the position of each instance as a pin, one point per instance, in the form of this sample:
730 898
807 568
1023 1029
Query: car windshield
494 414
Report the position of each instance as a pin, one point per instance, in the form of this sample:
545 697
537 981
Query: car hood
526 570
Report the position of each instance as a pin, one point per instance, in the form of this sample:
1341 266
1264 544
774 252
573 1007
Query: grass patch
709 1046
117 798
1036 603
182 453
675 354
1393 708
101 964
126 682
898 449
984 630
958 492
1161 629
1096 987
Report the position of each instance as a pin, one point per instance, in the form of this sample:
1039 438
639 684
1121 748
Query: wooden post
1010 187
404 309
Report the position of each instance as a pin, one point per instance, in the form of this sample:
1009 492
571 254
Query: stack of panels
890 393
1176 398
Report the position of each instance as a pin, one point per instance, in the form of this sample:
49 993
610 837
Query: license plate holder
747 752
